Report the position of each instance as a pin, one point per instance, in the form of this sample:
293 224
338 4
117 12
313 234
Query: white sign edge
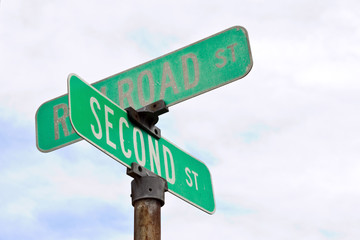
126 165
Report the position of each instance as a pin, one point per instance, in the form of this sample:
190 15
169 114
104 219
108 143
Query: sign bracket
146 117
148 196
187 177
146 184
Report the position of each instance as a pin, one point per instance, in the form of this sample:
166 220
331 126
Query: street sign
105 125
187 72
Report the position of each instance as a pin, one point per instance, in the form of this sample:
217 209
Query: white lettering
220 57
189 182
108 125
98 135
61 120
195 177
223 58
232 51
140 87
167 72
122 121
154 156
166 154
125 94
185 67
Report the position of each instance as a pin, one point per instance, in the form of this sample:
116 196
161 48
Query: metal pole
147 222
148 196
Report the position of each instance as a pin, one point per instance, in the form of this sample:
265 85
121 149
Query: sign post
177 76
148 196
96 113
105 125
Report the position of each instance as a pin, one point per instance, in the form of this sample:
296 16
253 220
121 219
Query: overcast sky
282 144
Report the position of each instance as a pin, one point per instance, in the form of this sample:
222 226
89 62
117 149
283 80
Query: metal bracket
146 117
146 184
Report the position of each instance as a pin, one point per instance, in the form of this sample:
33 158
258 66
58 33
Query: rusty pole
147 222
148 194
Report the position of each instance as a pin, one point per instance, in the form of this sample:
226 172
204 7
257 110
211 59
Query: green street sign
105 125
187 72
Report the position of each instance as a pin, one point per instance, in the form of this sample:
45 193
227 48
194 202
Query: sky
282 144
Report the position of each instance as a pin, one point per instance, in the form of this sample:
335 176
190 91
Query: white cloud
281 144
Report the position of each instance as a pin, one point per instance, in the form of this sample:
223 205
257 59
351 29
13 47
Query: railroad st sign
174 77
104 124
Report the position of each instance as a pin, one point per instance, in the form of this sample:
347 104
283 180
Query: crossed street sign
105 125
174 77
96 113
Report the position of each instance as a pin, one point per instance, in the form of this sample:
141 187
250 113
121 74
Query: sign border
208 89
126 165
162 56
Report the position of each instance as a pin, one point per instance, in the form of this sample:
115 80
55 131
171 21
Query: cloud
83 219
330 234
153 43
71 219
254 133
281 144
58 195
